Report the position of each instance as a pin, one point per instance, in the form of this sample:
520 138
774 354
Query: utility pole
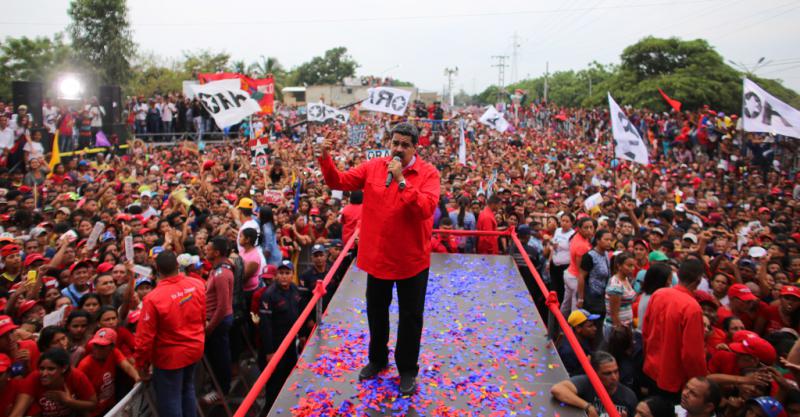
546 75
590 85
501 68
514 57
449 73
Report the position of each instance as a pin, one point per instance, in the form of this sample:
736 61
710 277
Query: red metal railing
319 291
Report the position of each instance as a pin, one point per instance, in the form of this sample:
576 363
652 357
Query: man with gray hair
578 391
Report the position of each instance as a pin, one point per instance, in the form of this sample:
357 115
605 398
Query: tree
204 61
31 59
270 66
153 75
330 68
101 38
239 67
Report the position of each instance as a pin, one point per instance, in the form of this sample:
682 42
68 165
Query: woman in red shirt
109 317
55 389
101 368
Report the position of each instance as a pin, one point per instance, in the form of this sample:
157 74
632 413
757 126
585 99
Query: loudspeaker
30 94
123 133
110 97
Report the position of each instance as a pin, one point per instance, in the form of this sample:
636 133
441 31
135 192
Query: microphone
389 175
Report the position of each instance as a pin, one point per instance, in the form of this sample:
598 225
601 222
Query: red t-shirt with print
76 384
102 375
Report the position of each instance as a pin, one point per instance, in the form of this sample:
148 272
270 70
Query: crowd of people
121 267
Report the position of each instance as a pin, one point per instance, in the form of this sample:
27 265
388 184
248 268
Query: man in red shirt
673 334
171 335
488 245
394 244
23 353
351 215
743 304
219 314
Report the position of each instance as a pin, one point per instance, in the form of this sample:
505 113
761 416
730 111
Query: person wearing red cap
398 213
781 313
672 330
9 387
12 268
743 304
171 336
100 366
748 351
24 353
80 274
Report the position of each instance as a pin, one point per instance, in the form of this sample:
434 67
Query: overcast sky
416 40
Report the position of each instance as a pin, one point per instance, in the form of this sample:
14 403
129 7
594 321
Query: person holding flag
400 195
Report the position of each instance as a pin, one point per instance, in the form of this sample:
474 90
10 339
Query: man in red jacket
394 244
171 335
673 334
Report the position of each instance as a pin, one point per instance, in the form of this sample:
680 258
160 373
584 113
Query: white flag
494 119
462 146
765 113
226 101
387 100
320 112
627 142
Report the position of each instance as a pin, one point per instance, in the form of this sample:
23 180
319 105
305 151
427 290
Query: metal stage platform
484 351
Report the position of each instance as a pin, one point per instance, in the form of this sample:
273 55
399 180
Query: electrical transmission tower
514 57
501 73
450 73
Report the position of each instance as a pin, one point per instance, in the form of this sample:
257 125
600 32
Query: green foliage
330 68
204 61
31 59
101 38
270 66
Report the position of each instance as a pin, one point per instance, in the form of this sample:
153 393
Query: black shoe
408 384
370 371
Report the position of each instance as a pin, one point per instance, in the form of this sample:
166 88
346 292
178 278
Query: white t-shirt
50 115
167 110
141 111
96 113
6 138
35 150
561 246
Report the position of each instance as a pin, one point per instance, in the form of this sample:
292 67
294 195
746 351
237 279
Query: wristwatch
402 184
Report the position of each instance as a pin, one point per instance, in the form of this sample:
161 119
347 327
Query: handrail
318 292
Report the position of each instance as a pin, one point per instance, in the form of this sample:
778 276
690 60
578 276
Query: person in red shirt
55 389
400 197
351 215
101 368
171 335
109 317
9 387
747 351
23 353
579 245
743 304
219 314
672 328
781 313
488 245
444 243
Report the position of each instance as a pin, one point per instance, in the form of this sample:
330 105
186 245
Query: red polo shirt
672 334
171 331
396 226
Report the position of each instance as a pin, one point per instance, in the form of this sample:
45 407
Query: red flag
675 104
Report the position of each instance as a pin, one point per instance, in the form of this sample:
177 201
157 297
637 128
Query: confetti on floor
483 352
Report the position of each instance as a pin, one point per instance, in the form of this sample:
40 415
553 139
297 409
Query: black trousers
411 300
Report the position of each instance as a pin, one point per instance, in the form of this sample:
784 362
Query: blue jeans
175 394
218 353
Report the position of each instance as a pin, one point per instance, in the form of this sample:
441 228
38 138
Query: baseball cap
790 290
314 211
34 257
756 346
336 243
139 246
690 236
270 273
704 297
104 337
26 306
657 256
770 406
5 362
523 229
6 325
317 248
245 203
287 264
80 264
657 230
580 316
144 280
741 292
642 242
9 250
104 267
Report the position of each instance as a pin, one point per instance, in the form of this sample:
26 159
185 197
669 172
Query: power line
501 68
386 18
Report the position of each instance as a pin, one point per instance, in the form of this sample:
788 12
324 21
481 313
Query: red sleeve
423 200
351 180
30 384
694 359
125 341
79 384
118 356
33 351
146 333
